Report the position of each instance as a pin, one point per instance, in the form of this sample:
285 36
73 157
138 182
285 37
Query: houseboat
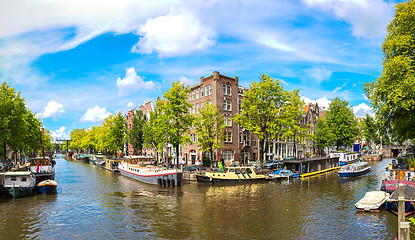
395 174
231 175
312 166
142 169
43 168
354 169
112 164
372 201
19 184
409 195
345 158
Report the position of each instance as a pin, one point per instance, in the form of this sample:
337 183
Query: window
228 121
240 104
201 92
229 89
224 104
197 94
210 102
227 137
197 108
227 156
193 109
24 179
193 95
210 89
206 91
224 89
201 105
229 105
13 178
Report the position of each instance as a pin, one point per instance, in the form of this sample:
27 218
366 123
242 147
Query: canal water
93 203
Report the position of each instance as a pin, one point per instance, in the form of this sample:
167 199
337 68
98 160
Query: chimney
236 80
216 75
201 79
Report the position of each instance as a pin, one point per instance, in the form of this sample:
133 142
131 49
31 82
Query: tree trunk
4 153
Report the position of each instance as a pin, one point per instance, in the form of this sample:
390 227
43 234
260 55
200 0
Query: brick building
225 93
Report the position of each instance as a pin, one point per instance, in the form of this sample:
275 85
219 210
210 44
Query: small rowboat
372 201
47 186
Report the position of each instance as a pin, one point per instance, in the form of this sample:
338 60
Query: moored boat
140 168
43 168
83 158
372 201
354 169
283 173
345 158
19 184
231 175
409 195
112 164
47 186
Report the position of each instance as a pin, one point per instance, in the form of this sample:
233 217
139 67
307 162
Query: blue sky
77 61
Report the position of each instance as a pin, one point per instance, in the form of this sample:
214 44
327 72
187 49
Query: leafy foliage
19 128
341 122
267 110
136 133
392 96
175 109
209 128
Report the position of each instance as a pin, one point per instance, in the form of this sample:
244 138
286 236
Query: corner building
225 93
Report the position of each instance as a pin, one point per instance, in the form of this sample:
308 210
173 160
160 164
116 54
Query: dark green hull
17 192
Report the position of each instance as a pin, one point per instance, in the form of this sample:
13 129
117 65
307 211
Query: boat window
231 170
237 171
249 170
24 179
13 178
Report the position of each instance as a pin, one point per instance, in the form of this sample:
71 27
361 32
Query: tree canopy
341 122
392 96
209 128
267 110
19 127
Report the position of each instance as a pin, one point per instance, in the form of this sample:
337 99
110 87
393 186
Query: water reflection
99 204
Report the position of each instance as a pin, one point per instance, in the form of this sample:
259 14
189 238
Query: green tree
76 136
263 109
342 122
392 96
323 135
155 131
115 137
13 114
136 133
209 129
371 131
292 116
176 111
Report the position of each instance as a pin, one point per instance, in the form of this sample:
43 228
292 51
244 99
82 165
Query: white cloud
323 102
368 18
95 114
60 134
132 82
339 87
187 81
53 109
275 42
362 109
130 104
319 74
174 34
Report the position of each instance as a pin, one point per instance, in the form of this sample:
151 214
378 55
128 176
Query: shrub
206 161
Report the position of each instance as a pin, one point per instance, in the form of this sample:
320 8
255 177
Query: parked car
272 164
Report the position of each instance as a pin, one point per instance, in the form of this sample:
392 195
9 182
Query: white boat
140 168
345 158
372 201
354 169
19 183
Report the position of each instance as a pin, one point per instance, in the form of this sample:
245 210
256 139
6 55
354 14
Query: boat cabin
345 157
18 179
311 165
112 163
139 160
